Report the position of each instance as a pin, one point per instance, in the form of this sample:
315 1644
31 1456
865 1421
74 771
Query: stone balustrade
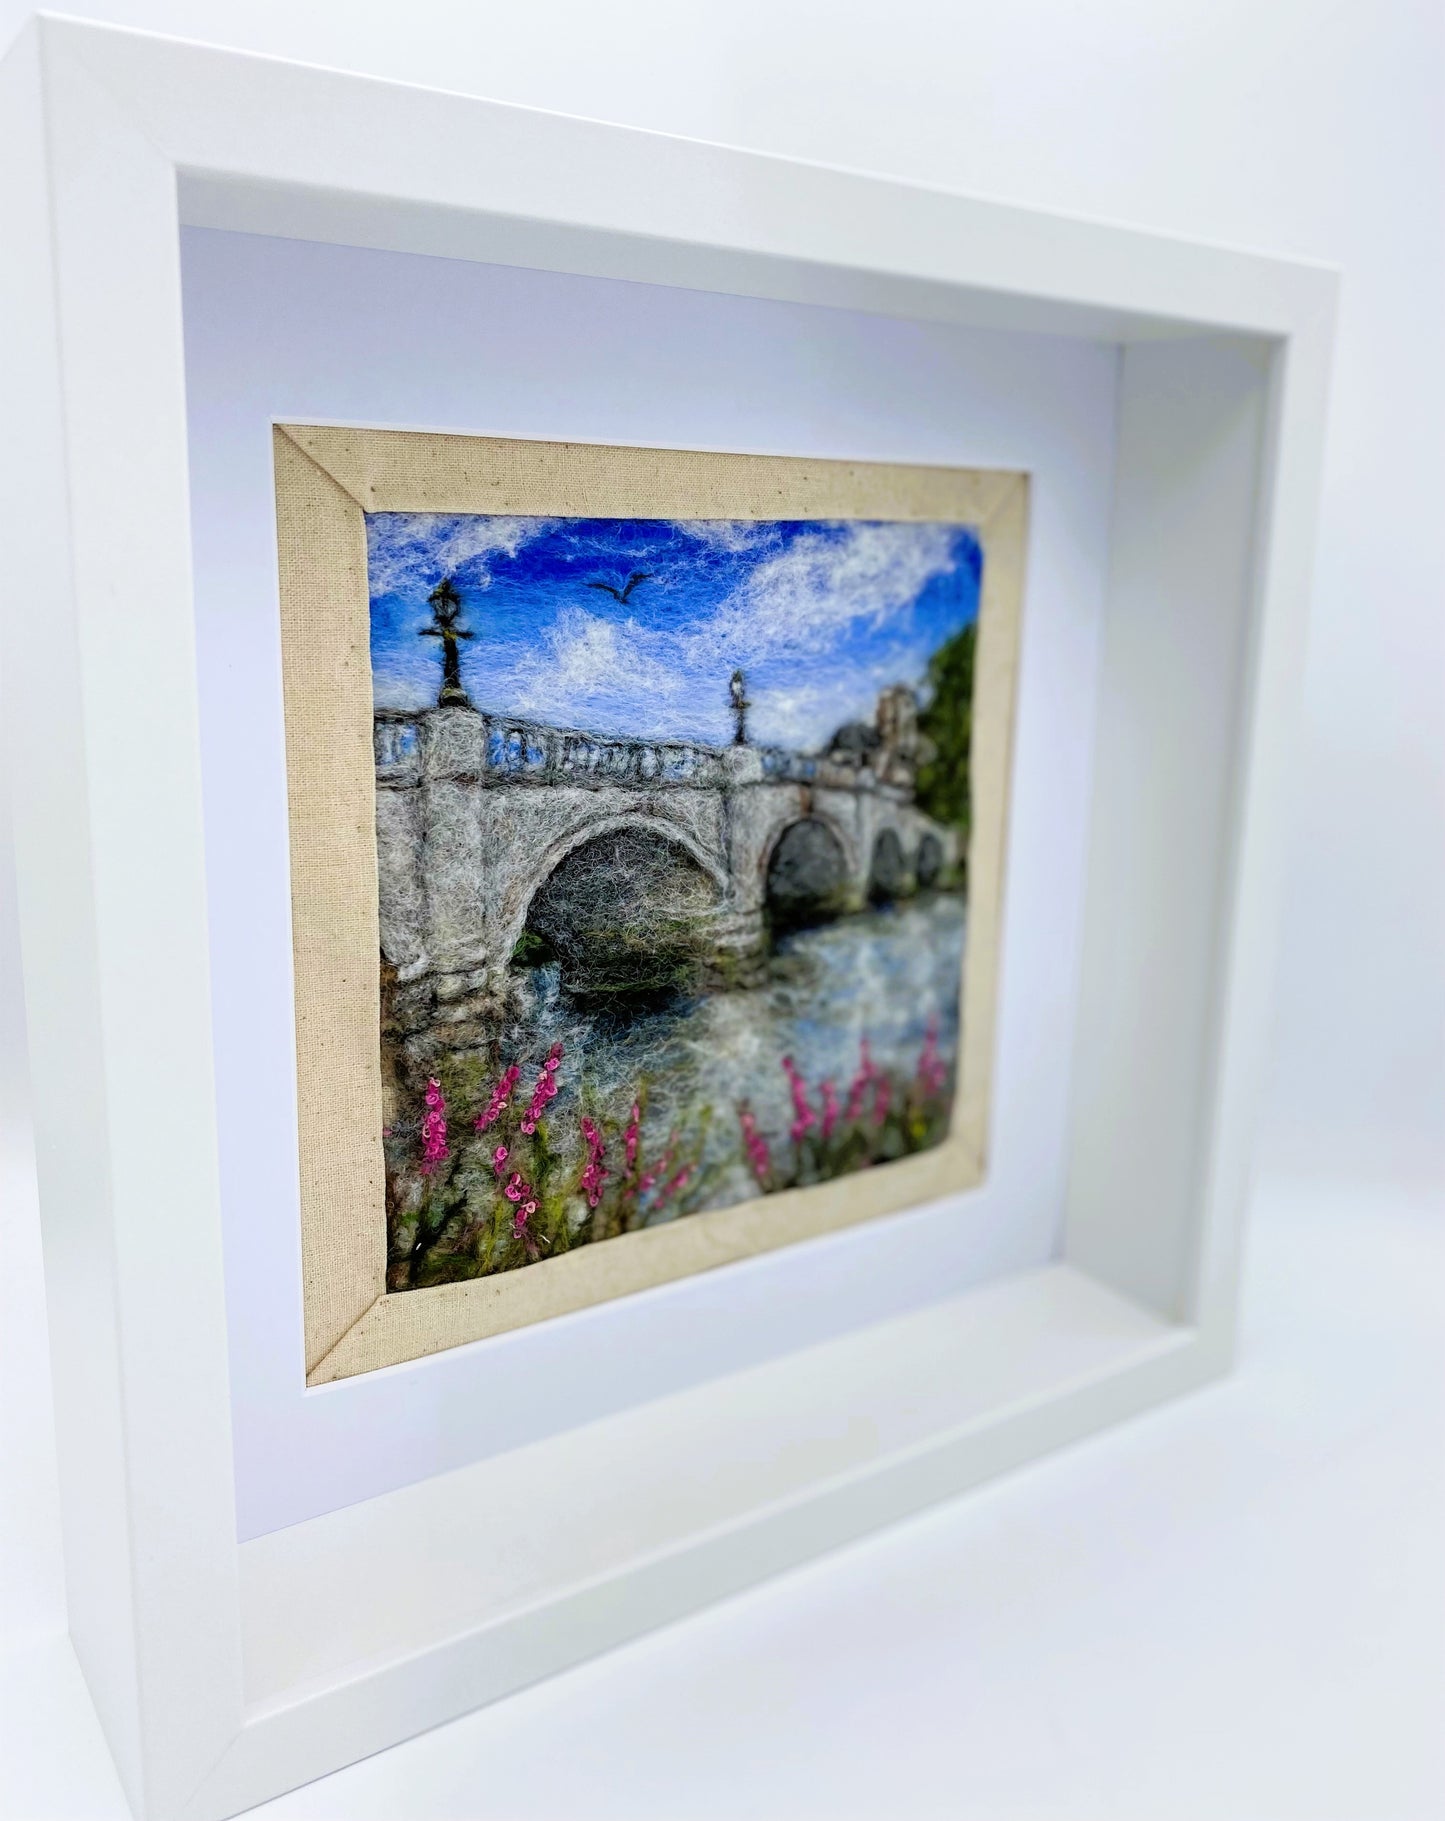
503 749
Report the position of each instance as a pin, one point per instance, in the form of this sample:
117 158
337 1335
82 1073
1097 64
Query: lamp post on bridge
446 607
737 694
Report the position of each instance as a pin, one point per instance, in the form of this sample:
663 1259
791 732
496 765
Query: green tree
947 724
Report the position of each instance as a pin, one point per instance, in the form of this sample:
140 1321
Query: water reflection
886 974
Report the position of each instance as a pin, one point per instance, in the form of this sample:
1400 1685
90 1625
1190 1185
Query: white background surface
1228 1609
295 330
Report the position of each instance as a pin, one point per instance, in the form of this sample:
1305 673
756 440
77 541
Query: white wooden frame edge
109 140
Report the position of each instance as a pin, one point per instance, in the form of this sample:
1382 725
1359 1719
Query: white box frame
223 1675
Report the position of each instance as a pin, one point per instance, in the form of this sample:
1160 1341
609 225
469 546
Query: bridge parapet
504 749
466 743
780 766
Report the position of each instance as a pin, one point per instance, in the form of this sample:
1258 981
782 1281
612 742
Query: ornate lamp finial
446 606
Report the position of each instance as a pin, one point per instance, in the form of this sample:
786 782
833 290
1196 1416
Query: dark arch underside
807 876
623 914
888 874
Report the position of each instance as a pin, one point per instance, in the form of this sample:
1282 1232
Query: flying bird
621 594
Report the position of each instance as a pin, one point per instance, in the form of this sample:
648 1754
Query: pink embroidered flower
631 1138
830 1109
499 1158
500 1095
756 1146
544 1091
522 1228
650 1178
861 1081
932 1069
593 1175
670 1188
524 1199
804 1118
434 1149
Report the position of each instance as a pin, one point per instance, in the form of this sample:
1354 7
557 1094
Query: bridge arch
887 867
621 901
928 862
807 872
551 857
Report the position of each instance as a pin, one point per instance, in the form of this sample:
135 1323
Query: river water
884 974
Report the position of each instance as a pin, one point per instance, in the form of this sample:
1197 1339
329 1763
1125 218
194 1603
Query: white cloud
589 667
807 596
731 535
408 553
803 715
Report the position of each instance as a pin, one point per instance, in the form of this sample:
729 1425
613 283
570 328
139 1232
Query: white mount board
287 328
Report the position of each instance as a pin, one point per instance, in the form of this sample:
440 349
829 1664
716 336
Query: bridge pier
443 1011
738 939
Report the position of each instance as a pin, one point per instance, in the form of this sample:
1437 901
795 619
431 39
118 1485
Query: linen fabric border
327 480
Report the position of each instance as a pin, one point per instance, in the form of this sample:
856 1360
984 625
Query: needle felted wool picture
672 818
648 815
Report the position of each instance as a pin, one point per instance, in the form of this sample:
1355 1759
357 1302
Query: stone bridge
475 812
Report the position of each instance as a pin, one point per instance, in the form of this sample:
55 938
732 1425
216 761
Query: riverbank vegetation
946 723
496 1168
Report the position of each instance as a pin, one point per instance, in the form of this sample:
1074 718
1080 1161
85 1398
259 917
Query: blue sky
821 616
